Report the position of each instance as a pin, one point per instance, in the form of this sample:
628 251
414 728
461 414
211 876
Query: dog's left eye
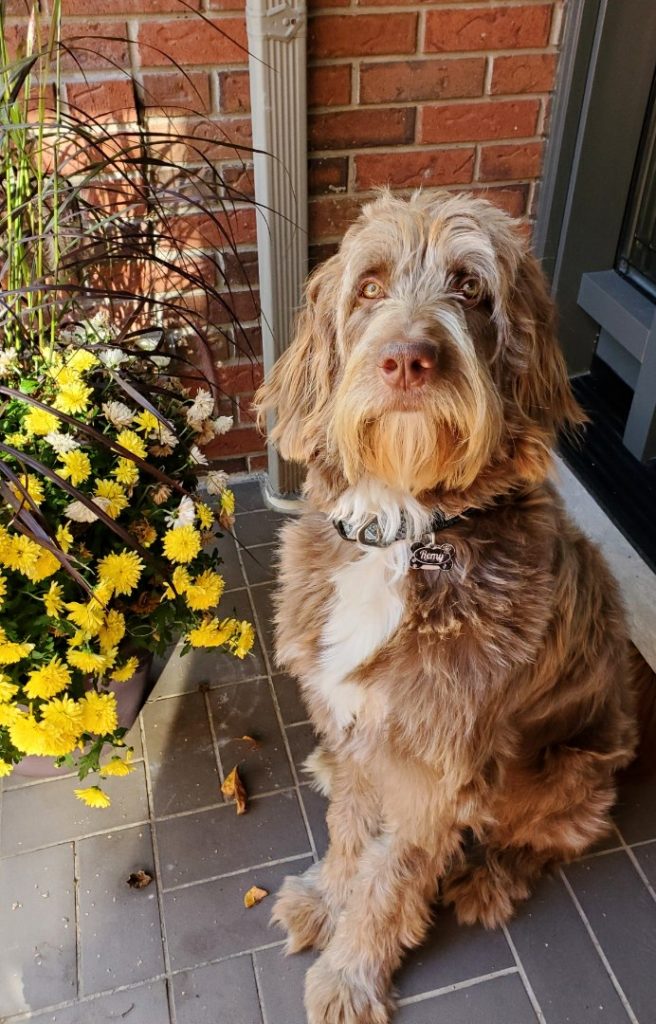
469 288
371 289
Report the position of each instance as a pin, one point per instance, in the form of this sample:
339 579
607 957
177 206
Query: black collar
370 533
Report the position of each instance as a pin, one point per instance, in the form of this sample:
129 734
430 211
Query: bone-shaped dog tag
429 555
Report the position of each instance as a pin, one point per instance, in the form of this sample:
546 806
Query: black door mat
624 488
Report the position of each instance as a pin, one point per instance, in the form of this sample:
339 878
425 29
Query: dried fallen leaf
234 789
254 896
139 879
254 744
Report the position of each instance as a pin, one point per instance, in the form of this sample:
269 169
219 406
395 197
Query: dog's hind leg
489 892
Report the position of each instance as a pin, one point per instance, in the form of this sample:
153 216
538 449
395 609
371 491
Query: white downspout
277 66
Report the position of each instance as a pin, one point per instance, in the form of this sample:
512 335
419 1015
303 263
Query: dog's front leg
387 912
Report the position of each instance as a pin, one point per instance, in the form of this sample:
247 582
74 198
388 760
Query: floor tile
263 601
281 979
223 993
623 917
214 842
646 856
451 954
51 813
497 1001
259 527
248 496
230 566
302 741
260 563
180 754
144 1004
567 976
37 930
246 709
120 933
316 806
209 921
288 693
635 813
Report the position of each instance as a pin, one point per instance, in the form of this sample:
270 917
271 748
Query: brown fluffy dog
495 694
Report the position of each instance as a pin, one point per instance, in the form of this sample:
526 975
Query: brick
183 39
422 80
513 200
225 5
330 217
248 341
240 269
524 73
202 231
234 92
245 377
335 35
242 441
240 182
327 174
104 101
407 170
474 122
314 4
256 462
320 253
358 128
94 7
175 90
98 45
229 465
511 162
487 29
329 86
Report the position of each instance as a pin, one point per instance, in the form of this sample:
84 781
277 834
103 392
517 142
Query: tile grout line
71 1004
457 986
215 741
597 945
158 874
239 871
258 988
533 999
281 724
636 864
78 922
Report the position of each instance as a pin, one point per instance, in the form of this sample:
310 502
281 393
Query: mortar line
597 945
457 986
73 1003
260 998
239 871
537 1009
78 922
636 864
215 741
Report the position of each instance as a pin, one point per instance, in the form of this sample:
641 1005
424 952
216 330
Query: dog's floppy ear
299 387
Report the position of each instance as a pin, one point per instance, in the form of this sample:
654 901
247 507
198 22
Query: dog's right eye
371 289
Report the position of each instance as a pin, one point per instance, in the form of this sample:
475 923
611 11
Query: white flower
161 361
118 414
166 436
79 513
62 443
203 406
7 362
216 481
223 424
184 515
112 357
197 456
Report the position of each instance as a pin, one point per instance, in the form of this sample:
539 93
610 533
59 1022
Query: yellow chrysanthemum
16 440
121 571
86 615
147 422
76 467
118 766
3 589
112 497
130 439
52 599
32 485
73 397
64 537
48 680
181 582
8 690
5 768
27 734
12 652
205 515
40 422
86 661
99 713
81 361
45 565
205 592
227 501
244 641
182 544
93 797
8 714
126 472
125 671
63 716
112 631
212 633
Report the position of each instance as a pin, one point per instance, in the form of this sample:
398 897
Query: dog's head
425 356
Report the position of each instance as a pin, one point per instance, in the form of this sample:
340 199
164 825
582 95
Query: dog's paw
302 912
332 997
482 895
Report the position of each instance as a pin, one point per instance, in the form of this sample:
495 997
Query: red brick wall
433 93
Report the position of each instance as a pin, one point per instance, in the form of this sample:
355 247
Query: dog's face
425 356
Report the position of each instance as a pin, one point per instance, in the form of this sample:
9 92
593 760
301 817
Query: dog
460 645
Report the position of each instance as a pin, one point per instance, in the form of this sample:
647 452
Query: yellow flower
182 544
52 599
81 361
147 422
99 712
116 766
111 497
11 652
64 537
63 716
212 633
126 472
3 589
125 671
5 768
242 643
16 440
93 797
86 661
121 571
227 501
8 714
73 397
130 439
205 515
48 680
40 422
76 466
87 616
7 689
26 734
45 565
32 485
112 631
181 583
205 592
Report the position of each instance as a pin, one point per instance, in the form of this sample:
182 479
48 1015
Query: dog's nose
408 364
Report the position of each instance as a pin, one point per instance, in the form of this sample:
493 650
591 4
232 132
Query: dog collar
426 553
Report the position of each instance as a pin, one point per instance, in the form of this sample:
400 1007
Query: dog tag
429 555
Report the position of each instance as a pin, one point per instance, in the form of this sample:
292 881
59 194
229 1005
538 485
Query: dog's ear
300 386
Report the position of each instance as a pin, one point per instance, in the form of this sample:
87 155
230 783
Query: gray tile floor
77 945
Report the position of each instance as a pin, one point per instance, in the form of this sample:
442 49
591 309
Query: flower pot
130 698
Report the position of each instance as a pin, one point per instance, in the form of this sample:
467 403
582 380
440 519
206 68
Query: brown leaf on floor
234 789
254 896
254 744
139 879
